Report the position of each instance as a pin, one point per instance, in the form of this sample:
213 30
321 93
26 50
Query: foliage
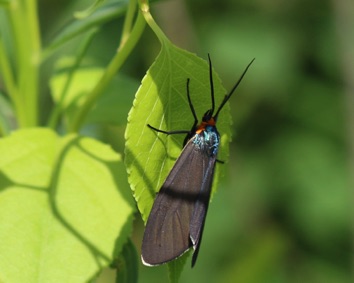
59 206
85 94
66 208
283 212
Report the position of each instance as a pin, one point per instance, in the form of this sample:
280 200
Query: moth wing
173 218
202 204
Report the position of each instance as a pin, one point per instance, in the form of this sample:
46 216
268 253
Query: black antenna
211 86
227 97
191 106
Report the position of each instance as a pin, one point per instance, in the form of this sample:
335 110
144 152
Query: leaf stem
145 9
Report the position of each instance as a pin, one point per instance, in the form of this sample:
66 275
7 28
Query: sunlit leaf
65 207
112 106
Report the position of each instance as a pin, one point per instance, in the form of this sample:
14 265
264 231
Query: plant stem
34 61
24 20
10 84
128 21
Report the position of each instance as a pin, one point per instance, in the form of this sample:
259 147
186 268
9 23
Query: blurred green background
282 212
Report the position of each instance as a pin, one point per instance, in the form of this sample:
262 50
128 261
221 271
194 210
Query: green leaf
127 264
102 15
162 102
114 104
65 207
88 11
111 107
72 90
175 267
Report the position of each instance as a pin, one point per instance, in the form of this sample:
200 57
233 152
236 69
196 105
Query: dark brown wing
201 205
177 217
